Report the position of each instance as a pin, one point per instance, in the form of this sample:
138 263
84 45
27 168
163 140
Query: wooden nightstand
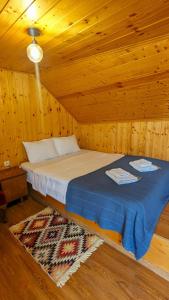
13 183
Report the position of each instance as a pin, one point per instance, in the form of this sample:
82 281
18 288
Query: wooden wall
25 117
150 138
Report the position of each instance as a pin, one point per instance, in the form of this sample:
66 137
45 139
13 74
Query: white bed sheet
52 177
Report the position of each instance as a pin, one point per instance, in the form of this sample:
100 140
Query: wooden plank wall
25 117
150 138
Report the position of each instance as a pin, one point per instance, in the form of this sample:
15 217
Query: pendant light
34 51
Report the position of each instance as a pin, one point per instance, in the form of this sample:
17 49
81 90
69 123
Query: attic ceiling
103 60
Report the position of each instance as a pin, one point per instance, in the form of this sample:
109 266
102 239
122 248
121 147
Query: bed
51 177
78 180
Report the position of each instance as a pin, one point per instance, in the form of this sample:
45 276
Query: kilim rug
56 243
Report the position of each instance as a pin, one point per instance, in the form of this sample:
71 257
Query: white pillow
50 147
65 145
40 150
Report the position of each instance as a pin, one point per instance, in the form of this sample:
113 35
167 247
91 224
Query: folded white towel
119 172
121 176
143 165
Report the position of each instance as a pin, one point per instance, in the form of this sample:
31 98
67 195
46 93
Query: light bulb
34 52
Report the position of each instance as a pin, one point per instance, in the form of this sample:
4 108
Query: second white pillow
66 145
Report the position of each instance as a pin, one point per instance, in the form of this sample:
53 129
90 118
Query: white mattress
51 177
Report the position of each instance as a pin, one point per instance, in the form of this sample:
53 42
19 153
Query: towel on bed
121 176
132 210
143 165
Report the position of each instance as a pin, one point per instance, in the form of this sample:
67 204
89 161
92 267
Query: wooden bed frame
157 257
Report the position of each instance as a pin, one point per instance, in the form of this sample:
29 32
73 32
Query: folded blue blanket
132 210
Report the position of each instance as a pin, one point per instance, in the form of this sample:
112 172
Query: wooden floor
107 274
163 224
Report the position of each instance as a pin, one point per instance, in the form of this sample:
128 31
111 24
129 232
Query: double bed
51 177
78 181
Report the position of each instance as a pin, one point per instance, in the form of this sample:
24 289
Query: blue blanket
132 209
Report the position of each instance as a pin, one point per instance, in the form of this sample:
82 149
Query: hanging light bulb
34 51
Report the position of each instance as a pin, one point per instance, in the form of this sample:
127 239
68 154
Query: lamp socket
7 163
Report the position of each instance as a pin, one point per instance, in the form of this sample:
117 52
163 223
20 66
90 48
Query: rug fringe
76 265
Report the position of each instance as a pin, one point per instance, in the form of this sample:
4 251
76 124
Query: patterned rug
56 243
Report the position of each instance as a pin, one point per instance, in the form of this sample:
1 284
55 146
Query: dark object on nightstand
13 183
3 208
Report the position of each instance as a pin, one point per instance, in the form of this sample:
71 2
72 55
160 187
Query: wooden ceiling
104 60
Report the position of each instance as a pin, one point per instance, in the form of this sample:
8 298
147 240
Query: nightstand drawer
14 187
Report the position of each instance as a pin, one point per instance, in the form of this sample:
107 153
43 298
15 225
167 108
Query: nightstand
13 183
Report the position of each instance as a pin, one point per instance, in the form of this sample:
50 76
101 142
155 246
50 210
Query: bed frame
157 257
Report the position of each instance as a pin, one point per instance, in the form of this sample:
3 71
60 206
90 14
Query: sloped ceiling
103 60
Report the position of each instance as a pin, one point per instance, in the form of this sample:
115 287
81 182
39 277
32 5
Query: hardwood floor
107 274
163 224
